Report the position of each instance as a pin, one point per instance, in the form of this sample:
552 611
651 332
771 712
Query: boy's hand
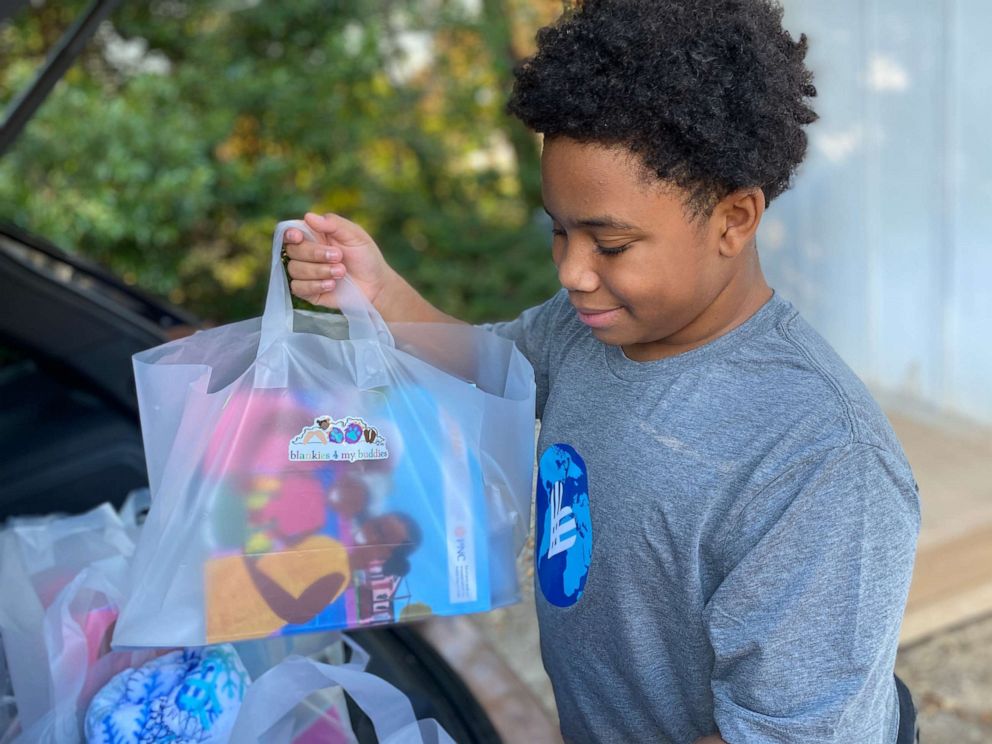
342 247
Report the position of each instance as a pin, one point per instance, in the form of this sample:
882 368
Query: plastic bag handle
279 690
65 640
364 321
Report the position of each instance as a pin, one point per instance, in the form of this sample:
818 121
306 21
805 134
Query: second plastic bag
62 581
311 471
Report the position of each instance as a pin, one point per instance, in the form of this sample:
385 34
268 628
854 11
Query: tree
188 129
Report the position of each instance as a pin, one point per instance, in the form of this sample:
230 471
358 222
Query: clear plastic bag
8 705
309 472
63 579
272 711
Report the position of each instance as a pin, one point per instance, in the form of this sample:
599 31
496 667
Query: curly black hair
711 94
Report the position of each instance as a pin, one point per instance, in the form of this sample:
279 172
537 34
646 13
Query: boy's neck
743 296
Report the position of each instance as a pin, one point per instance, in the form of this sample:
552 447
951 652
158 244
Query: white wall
885 241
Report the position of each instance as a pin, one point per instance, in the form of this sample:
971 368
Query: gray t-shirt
725 538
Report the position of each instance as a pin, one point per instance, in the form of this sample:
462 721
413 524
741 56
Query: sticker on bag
344 440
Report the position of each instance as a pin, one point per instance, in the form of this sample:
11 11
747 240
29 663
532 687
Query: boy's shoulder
802 405
813 386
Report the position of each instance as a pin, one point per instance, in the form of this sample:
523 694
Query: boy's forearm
399 302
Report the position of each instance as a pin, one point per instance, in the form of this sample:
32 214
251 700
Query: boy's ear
737 218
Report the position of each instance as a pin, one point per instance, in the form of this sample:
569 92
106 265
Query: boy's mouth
597 318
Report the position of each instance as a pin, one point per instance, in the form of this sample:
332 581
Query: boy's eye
603 250
615 251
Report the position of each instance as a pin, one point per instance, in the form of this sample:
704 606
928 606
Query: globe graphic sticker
563 544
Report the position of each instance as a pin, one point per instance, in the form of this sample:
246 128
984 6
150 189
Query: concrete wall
885 242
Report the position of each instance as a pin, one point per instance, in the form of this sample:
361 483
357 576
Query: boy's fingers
313 252
310 270
311 290
329 223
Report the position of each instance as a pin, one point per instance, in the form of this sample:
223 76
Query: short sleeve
805 625
532 332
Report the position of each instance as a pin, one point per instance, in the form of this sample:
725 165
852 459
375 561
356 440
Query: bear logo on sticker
346 440
563 544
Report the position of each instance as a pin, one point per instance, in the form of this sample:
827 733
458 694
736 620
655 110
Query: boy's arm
805 624
399 302
714 739
337 247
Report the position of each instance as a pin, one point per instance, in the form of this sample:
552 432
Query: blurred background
187 129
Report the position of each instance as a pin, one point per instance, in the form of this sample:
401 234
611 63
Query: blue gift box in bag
312 471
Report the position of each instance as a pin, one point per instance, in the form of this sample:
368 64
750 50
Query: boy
726 523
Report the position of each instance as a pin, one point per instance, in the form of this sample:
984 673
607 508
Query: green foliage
188 129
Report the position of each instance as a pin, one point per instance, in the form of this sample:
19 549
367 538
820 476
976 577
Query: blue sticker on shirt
563 542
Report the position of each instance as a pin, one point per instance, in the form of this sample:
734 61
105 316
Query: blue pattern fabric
563 539
183 697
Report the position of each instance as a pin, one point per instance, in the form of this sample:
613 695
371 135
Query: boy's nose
575 272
